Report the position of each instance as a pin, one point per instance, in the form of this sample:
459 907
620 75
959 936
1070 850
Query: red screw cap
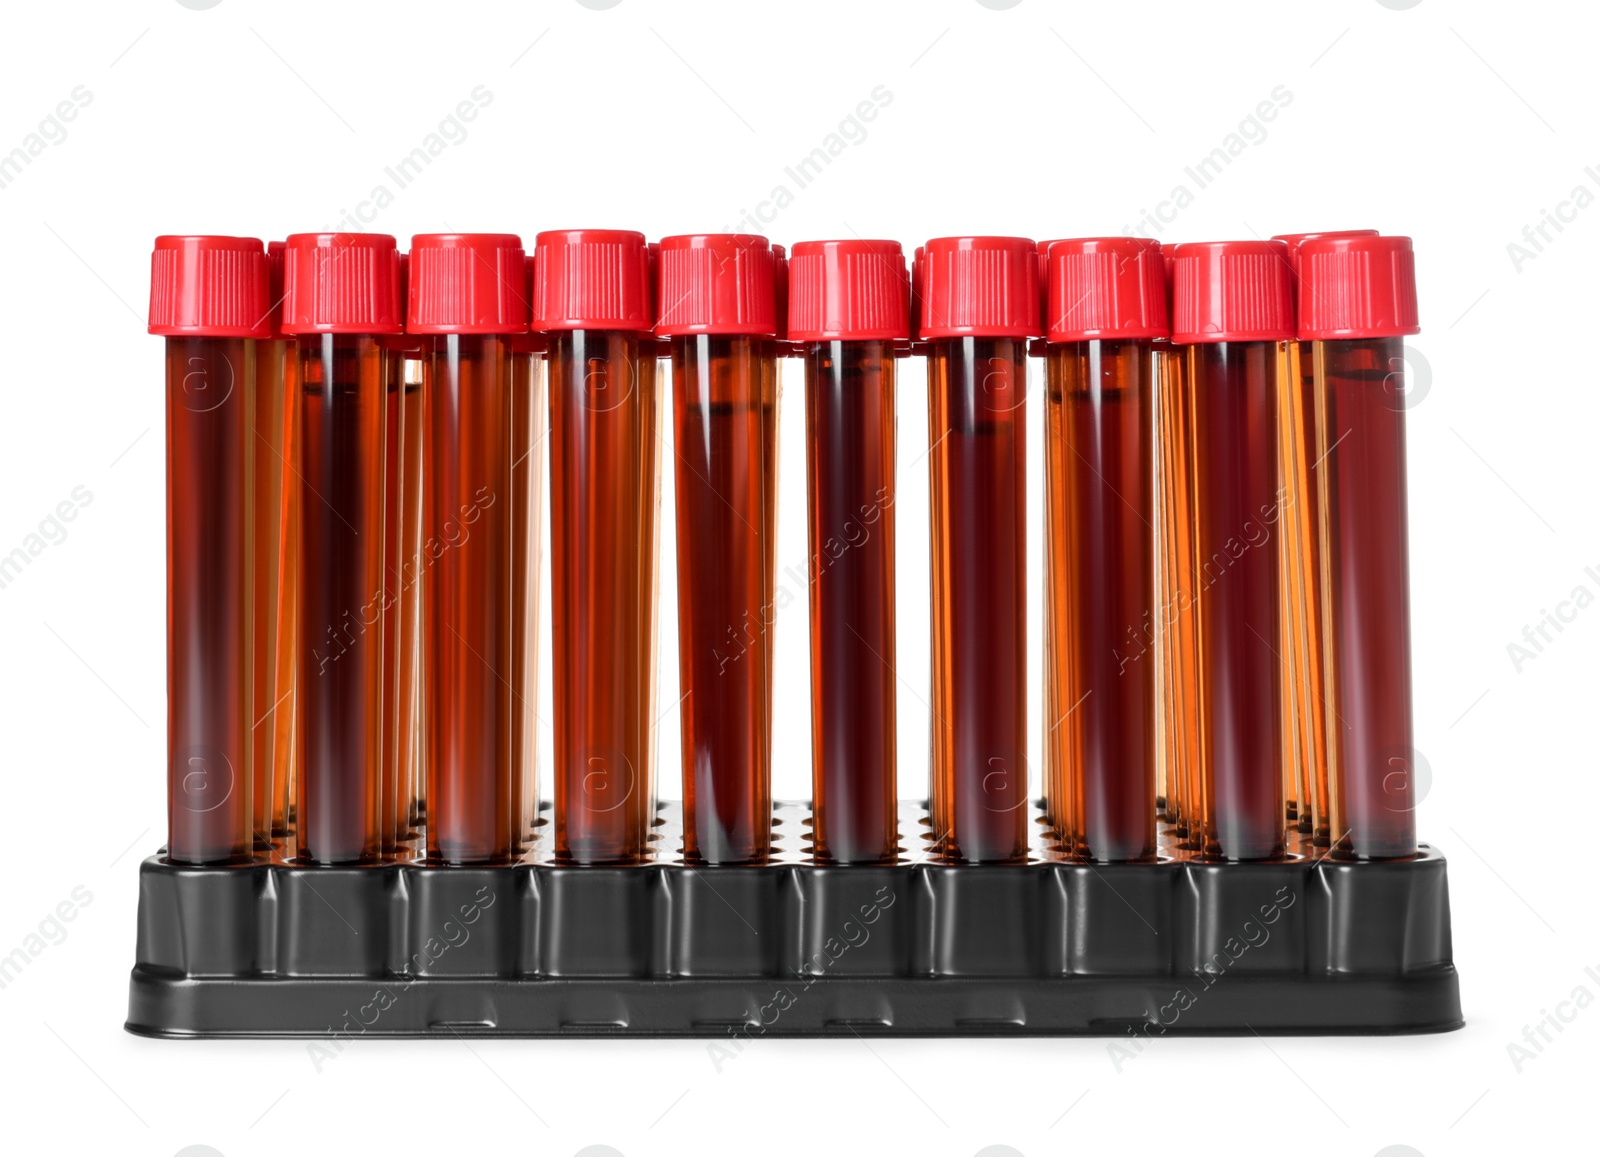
980 287
849 291
1106 287
780 290
341 283
209 287
591 279
1295 240
1231 291
1356 287
467 283
719 283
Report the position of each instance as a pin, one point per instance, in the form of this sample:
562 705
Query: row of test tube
356 442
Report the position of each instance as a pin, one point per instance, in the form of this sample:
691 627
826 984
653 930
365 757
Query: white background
1459 124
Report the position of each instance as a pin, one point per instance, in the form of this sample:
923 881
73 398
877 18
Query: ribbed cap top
1106 287
849 291
719 283
591 279
467 283
780 290
1231 291
341 283
980 287
209 286
1295 240
1357 287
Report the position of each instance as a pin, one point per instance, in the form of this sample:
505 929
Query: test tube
342 297
1107 305
405 818
1358 301
980 306
1305 696
848 308
527 509
272 715
718 308
468 298
591 297
1233 310
209 299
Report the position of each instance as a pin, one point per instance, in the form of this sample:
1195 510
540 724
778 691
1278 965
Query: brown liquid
1239 516
1104 523
267 501
1177 615
210 420
339 695
1060 573
286 648
467 599
404 816
977 462
725 596
527 479
850 459
394 829
1303 602
1366 576
604 497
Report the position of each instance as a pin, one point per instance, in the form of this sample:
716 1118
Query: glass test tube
849 311
1358 301
399 353
468 294
591 298
1107 304
981 305
1234 314
718 308
1306 698
209 299
404 815
342 297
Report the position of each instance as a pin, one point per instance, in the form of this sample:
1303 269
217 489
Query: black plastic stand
792 949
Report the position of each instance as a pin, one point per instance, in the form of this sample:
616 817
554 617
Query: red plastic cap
980 287
780 290
1231 291
341 283
849 291
209 287
591 279
1357 287
1295 240
719 283
1106 287
467 283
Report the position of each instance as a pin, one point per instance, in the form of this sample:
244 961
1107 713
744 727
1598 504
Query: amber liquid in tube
1062 565
267 501
467 599
405 820
604 494
527 489
339 695
286 645
1107 515
1177 617
1303 586
977 429
850 440
1239 517
394 825
1366 582
210 436
725 596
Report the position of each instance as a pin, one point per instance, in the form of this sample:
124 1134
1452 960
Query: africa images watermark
52 130
1541 634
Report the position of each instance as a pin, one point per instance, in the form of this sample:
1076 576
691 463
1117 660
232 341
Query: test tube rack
1181 946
